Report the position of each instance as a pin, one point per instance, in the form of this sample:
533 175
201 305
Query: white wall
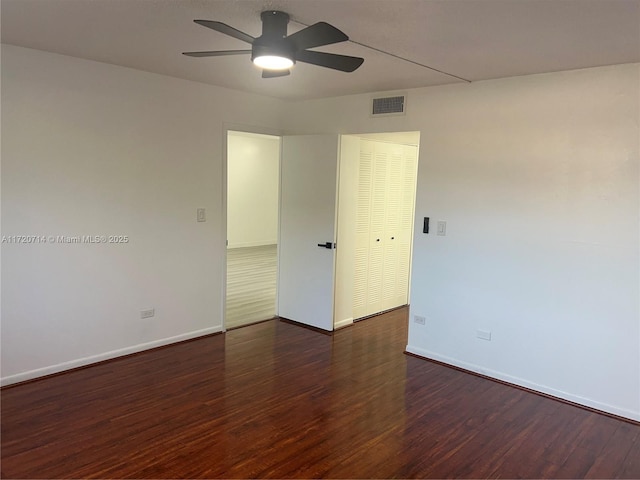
537 177
538 180
253 175
96 149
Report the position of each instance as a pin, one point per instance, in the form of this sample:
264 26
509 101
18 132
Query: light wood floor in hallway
251 285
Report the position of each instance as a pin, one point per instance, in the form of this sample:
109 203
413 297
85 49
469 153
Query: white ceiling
471 39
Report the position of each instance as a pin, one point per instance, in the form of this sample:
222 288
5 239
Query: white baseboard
252 244
525 383
81 362
343 323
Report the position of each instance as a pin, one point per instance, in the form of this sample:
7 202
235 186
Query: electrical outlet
147 313
483 334
419 320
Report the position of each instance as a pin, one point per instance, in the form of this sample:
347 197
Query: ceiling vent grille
388 105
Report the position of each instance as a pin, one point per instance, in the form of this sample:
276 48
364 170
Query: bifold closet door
384 224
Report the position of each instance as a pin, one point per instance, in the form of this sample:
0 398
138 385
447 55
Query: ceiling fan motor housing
273 39
274 23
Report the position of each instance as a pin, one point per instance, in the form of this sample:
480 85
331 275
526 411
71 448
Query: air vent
388 105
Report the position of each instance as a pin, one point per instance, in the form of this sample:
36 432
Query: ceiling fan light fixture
275 52
273 62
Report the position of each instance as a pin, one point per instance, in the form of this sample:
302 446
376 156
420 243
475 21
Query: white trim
525 383
81 362
253 244
343 323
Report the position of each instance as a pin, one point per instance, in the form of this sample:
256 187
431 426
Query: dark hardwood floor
278 400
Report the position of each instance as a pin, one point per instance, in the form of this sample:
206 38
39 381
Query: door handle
326 245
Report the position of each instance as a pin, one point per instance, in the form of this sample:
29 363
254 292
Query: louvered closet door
363 218
370 222
384 224
377 232
391 238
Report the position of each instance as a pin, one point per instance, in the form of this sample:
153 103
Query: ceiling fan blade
316 35
275 73
220 53
226 29
343 63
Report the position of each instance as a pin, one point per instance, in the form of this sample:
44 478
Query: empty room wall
537 178
253 173
90 149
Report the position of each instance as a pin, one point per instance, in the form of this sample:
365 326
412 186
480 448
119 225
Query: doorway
347 213
253 173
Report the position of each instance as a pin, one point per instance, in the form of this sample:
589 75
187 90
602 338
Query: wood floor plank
274 400
614 453
630 467
251 285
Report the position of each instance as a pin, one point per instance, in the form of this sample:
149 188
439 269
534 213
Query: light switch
483 334
442 227
202 215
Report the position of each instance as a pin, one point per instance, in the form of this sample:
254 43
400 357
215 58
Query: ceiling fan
276 53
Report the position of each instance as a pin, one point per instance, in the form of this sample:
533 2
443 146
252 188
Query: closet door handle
393 238
377 239
328 245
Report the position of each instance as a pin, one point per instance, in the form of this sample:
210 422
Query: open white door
309 177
